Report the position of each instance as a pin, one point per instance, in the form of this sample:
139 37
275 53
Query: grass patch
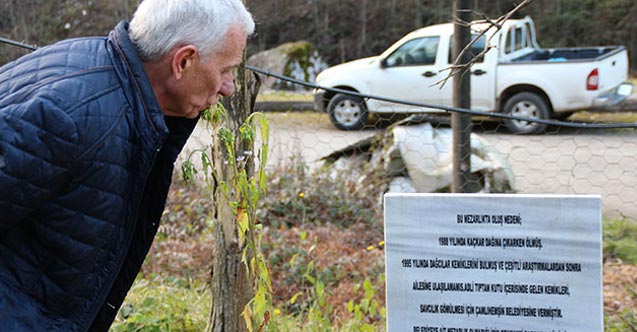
626 321
604 117
620 288
164 304
285 96
307 120
620 240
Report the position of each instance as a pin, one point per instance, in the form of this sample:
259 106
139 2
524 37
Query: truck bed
569 54
563 74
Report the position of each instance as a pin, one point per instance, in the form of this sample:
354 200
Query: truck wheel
347 112
527 105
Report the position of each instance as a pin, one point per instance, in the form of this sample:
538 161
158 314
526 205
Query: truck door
483 76
407 74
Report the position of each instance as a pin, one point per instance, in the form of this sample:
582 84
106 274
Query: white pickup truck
515 77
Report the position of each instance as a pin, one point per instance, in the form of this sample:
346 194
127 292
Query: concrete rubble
418 159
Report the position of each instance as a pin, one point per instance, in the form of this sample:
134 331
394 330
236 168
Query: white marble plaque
493 263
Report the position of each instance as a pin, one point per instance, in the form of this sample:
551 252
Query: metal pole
15 43
461 123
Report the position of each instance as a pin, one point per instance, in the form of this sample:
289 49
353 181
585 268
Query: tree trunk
230 283
228 279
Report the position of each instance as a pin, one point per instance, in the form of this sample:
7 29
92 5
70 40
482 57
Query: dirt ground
344 250
620 287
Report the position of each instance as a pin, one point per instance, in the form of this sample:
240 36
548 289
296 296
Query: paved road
308 135
599 162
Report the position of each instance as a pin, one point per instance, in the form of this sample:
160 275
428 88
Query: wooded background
341 30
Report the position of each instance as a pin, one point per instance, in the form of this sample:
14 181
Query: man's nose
227 86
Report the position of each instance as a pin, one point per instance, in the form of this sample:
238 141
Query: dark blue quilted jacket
86 158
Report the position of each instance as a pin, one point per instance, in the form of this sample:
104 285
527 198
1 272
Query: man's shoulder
69 54
73 80
76 52
78 59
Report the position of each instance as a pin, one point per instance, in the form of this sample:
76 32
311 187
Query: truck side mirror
383 63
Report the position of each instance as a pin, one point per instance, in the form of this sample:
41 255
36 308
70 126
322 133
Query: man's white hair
159 25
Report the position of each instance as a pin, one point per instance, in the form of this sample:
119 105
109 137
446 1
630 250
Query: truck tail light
592 81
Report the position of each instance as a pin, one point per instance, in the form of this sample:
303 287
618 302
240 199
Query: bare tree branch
457 69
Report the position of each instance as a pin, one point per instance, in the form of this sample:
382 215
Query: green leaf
369 290
264 124
260 303
365 305
310 267
310 279
218 113
243 222
350 306
247 133
367 328
207 114
375 306
188 171
293 259
247 317
294 297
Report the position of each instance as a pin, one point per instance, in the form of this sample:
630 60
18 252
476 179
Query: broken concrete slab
419 159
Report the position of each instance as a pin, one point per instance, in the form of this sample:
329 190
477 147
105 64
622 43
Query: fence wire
448 109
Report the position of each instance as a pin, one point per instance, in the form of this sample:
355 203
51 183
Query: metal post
461 123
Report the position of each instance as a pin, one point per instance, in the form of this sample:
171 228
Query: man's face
208 78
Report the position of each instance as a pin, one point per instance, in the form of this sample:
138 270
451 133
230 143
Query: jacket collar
138 89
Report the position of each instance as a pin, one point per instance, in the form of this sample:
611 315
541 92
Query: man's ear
183 60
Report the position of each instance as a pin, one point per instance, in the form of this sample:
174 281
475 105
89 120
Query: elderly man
89 131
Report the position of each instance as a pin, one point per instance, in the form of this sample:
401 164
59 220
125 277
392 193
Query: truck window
415 52
476 48
529 37
519 41
509 41
518 38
